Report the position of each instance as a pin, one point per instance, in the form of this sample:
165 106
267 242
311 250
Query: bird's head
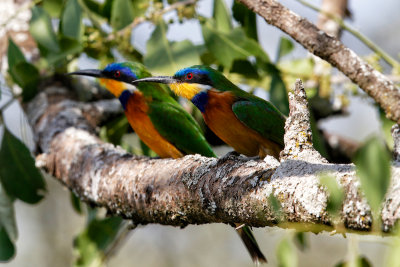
116 77
190 81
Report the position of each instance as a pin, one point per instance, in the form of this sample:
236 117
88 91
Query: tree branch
195 189
374 83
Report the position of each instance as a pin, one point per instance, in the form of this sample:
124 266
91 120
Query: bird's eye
117 74
189 76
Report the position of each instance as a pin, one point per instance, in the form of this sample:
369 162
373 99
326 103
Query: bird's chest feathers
220 118
136 111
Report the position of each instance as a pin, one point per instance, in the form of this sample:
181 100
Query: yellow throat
115 87
186 90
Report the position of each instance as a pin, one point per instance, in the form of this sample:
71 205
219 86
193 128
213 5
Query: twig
374 83
368 42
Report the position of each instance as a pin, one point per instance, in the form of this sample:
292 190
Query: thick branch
194 189
332 50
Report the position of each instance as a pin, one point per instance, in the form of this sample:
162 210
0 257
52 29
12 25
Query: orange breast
222 121
136 113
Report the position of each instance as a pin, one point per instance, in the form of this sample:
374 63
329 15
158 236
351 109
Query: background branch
332 50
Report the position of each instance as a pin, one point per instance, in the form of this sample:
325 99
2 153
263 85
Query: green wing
262 117
179 128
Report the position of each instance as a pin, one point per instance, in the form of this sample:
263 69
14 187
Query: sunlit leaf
139 7
285 47
393 258
71 20
276 207
7 249
246 18
286 254
227 47
373 167
42 30
297 67
221 16
121 14
165 57
336 194
18 174
360 261
53 7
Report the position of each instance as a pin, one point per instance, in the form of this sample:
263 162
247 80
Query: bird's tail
250 242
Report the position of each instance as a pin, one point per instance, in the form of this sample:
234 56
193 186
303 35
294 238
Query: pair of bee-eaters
251 125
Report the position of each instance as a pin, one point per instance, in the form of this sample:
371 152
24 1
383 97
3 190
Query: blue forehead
183 72
118 66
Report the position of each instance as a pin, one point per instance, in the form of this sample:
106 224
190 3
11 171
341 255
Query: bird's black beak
91 73
157 79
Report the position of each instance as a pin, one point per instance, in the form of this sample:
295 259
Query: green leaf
222 17
373 167
121 14
7 215
227 47
7 249
392 258
285 47
94 7
71 20
360 261
297 67
245 68
139 7
246 18
278 92
301 241
115 129
336 194
53 7
386 128
68 47
14 54
23 73
27 77
42 30
286 254
76 203
95 239
18 174
276 207
165 57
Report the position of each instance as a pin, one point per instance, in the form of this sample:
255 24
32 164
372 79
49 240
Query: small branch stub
298 135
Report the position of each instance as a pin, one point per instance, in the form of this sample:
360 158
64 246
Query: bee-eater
249 124
160 122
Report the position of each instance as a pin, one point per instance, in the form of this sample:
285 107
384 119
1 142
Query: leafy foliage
230 44
18 174
373 168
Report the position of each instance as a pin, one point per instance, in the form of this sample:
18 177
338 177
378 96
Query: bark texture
195 189
329 48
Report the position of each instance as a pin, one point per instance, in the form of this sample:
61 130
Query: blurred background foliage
68 34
